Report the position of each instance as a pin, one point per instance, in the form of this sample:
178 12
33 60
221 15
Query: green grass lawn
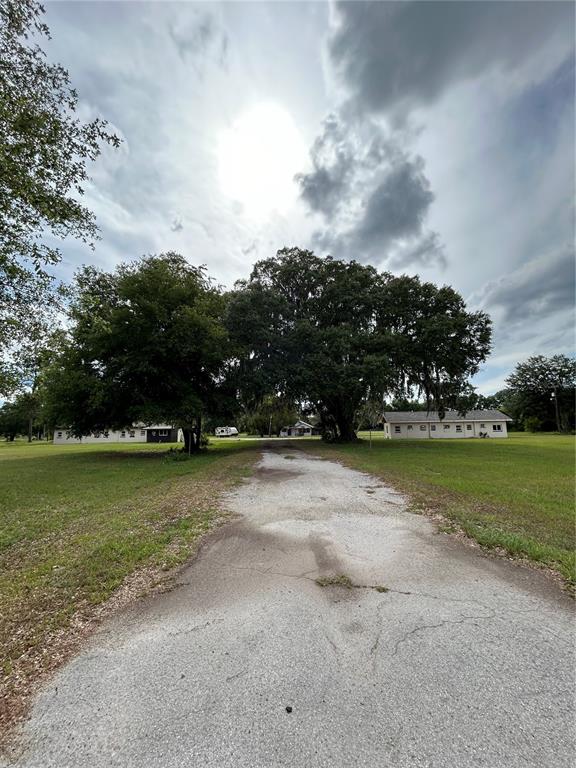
515 493
76 520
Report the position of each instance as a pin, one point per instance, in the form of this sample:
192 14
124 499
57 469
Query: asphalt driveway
465 660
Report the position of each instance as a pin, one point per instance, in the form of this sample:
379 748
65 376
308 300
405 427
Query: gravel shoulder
427 653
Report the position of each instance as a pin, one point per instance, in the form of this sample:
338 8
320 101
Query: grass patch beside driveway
516 494
76 523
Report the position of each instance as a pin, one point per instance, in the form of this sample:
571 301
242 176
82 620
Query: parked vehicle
226 431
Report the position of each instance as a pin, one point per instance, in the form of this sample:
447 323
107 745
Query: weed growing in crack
346 582
336 581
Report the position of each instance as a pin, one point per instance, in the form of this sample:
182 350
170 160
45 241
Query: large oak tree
336 334
146 344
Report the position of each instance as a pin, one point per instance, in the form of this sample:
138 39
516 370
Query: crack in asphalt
238 674
270 572
424 627
197 628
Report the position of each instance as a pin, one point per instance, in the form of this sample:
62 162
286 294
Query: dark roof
393 417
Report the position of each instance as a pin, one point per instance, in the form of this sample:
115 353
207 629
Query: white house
419 424
300 429
155 433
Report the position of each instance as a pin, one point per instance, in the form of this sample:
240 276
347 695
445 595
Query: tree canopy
542 384
156 341
44 153
333 334
146 345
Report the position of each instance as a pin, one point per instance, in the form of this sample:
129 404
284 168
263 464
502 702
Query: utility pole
556 408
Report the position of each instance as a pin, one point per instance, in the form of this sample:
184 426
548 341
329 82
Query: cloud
540 288
397 206
391 59
533 310
372 195
198 34
401 54
250 249
427 251
333 162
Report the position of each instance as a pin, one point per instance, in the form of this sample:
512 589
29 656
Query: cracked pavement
466 660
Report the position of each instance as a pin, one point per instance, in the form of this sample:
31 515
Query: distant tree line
156 340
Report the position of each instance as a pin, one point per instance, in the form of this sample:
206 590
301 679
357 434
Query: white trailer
225 431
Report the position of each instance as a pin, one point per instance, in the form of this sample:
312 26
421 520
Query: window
422 427
142 433
131 433
469 427
409 426
433 427
482 425
59 434
396 428
446 426
497 427
458 427
163 432
123 433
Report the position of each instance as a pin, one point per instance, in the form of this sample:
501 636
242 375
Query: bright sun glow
258 158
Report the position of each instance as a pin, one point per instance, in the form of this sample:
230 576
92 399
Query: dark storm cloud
404 53
396 208
371 193
537 290
333 163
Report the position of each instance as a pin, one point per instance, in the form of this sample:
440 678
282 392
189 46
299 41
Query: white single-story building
300 429
420 424
155 433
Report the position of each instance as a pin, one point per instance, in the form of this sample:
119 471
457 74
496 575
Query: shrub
532 424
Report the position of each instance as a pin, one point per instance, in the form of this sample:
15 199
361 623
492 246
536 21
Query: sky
429 138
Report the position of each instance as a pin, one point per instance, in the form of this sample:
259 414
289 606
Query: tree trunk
557 410
338 422
345 422
192 437
30 425
189 441
346 430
